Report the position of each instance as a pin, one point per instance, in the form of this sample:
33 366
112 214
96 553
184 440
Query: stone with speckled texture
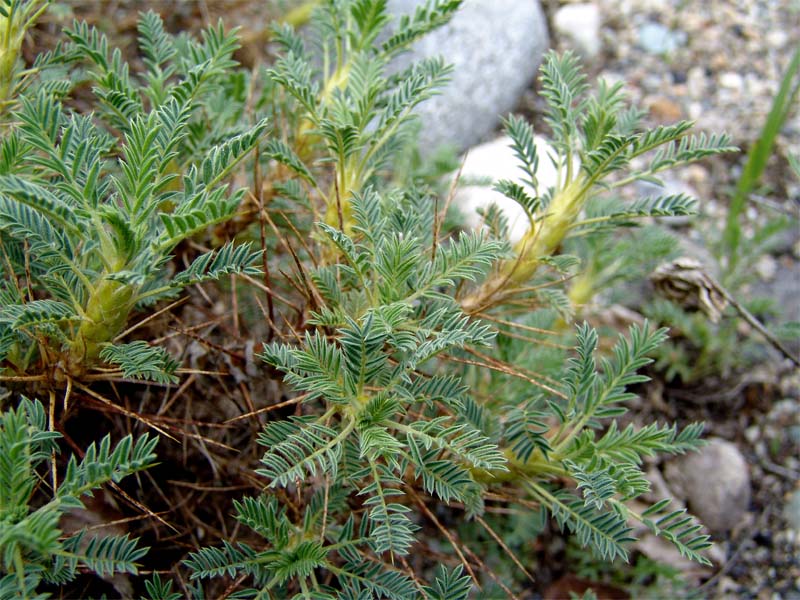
715 482
496 47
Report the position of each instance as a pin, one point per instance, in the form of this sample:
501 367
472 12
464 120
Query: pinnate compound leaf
450 584
678 528
139 360
311 449
106 555
214 264
36 313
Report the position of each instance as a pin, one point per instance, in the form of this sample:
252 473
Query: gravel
719 63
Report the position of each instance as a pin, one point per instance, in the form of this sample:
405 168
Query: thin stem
755 323
51 418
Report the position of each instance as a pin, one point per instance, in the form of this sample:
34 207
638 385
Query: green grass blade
759 154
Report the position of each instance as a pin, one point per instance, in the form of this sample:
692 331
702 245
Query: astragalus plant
353 112
33 548
411 414
403 428
93 205
600 148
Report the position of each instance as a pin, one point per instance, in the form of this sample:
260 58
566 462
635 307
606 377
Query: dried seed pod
687 283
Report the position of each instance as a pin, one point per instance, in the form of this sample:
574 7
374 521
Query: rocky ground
720 63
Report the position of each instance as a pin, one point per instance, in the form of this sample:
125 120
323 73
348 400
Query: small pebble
794 436
696 82
698 177
695 110
657 39
731 81
727 586
766 267
791 510
752 433
664 110
678 77
777 38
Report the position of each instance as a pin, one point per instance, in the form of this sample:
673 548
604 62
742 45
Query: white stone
696 83
493 161
645 6
661 551
495 47
777 39
580 23
732 81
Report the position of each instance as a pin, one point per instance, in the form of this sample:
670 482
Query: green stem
549 232
106 314
576 429
605 219
19 567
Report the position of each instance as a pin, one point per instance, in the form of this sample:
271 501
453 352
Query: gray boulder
496 47
715 483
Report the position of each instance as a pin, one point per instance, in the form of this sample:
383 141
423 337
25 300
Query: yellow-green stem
106 315
12 33
300 15
9 52
548 233
541 241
